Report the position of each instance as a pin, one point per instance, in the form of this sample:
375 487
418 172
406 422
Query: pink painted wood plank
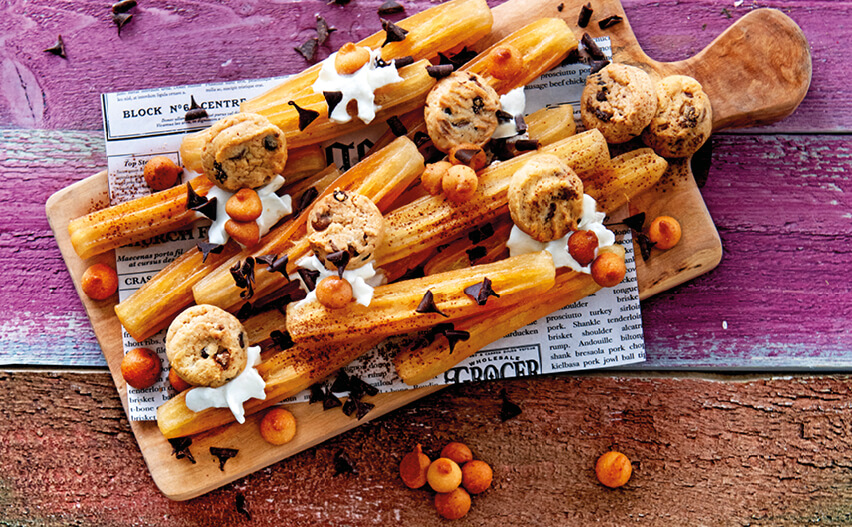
187 42
782 205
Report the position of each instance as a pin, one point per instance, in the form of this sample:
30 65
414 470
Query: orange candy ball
334 292
458 452
476 476
613 469
433 175
160 173
444 475
99 281
608 270
453 505
665 232
244 206
141 368
582 245
459 183
278 426
177 381
413 468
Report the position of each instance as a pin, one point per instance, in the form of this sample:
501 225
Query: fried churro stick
394 307
415 366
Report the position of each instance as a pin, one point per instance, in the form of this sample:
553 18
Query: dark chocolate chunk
427 305
223 455
358 407
305 200
560 7
195 111
645 244
339 196
308 49
481 291
208 208
504 117
317 393
508 409
476 253
242 340
500 149
591 47
465 155
393 32
396 126
245 312
440 71
243 274
223 359
123 6
403 61
477 105
193 200
343 464
481 234
58 48
341 382
523 145
459 59
121 20
635 222
332 99
359 388
602 94
520 124
306 117
390 7
266 258
309 278
241 506
282 339
452 334
330 401
585 15
421 138
603 115
207 248
349 406
598 65
610 21
340 259
279 265
270 142
180 448
323 30
573 57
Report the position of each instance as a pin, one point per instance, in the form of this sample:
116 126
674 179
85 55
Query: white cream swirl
247 385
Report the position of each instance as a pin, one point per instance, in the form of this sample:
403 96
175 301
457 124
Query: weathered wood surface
705 451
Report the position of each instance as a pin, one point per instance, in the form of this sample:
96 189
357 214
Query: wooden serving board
756 72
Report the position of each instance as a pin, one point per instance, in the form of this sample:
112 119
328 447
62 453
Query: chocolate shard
317 393
121 20
305 200
359 408
645 245
207 248
330 401
180 448
308 49
332 99
610 21
591 47
279 265
349 406
440 71
195 111
481 234
427 305
504 117
240 504
282 339
309 278
403 61
340 259
266 258
476 253
341 382
459 59
481 291
245 312
465 155
508 409
520 124
306 116
193 200
560 7
452 334
123 6
58 48
396 126
243 275
598 65
393 33
701 162
223 455
523 145
390 7
635 222
359 388
323 30
585 15
208 208
343 464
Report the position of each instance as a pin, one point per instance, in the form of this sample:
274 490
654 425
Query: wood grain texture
705 451
227 41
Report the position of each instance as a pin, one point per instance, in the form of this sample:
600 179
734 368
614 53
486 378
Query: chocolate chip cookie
546 198
684 119
345 221
620 101
244 150
461 108
206 346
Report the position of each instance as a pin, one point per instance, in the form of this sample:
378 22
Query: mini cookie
619 100
461 108
546 198
206 346
244 150
344 221
684 119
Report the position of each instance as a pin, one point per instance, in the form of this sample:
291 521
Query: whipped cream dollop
513 103
591 220
247 385
363 280
275 207
359 86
